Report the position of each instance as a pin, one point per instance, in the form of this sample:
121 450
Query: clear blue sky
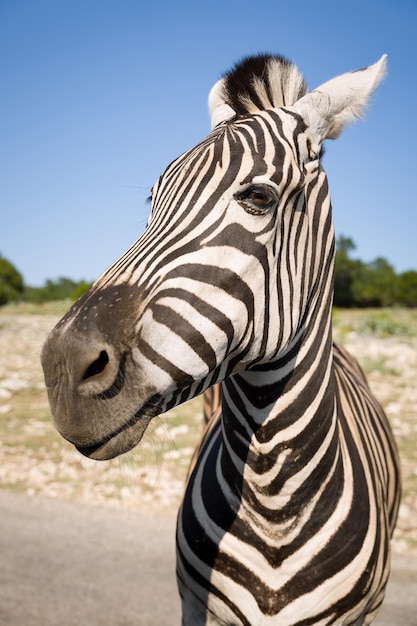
98 96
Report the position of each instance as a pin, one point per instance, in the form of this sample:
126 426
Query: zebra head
235 261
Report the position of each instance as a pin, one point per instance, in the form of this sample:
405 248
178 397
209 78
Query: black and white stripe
294 490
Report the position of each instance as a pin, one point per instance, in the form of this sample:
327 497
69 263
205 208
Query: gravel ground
35 460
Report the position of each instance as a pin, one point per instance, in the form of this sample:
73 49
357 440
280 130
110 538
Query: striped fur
294 491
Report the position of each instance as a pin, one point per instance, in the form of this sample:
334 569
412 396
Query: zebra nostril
96 367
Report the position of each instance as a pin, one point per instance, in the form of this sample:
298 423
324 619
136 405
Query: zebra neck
279 423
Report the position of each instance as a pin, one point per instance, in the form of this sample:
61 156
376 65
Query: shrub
381 324
11 282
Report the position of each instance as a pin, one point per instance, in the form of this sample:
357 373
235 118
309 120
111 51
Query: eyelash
257 199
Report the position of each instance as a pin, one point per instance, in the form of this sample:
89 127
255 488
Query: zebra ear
218 109
327 109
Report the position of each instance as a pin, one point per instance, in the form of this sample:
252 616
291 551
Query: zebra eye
257 199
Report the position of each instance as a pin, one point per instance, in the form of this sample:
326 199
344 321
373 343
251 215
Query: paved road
63 564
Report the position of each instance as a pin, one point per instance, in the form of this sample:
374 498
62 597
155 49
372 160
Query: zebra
294 489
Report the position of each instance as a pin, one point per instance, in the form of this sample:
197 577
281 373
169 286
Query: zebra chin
120 440
118 445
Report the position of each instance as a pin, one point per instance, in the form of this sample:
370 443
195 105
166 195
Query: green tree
346 270
81 288
11 282
407 289
60 289
375 284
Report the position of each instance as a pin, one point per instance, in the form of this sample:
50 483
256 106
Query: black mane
262 82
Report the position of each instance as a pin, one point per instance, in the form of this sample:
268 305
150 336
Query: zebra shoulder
344 360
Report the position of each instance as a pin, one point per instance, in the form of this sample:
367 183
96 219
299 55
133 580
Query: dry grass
35 459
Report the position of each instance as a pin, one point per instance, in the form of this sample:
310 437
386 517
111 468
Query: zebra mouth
127 436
